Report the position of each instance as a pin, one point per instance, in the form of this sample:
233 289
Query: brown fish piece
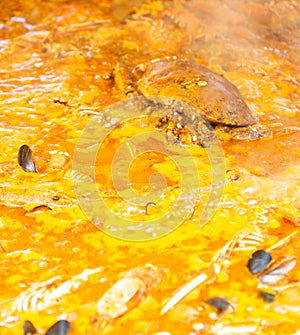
218 100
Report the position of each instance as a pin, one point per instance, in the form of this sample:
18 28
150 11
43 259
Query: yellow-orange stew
149 167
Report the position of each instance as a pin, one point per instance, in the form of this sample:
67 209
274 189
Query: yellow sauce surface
59 61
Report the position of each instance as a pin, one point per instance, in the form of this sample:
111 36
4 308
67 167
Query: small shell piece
259 261
267 297
28 328
25 159
61 327
221 304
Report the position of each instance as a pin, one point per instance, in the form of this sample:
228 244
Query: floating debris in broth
42 295
25 159
267 297
40 207
149 206
233 175
259 261
221 304
28 328
202 279
249 238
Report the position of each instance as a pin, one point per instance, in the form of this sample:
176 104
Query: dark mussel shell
61 327
267 297
25 159
28 328
258 261
221 304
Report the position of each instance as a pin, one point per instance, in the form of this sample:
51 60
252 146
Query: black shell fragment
219 303
28 328
267 297
148 205
40 207
61 327
25 159
258 261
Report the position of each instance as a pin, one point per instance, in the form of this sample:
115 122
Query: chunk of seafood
127 292
251 132
278 270
41 295
121 297
218 100
247 239
181 121
178 119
